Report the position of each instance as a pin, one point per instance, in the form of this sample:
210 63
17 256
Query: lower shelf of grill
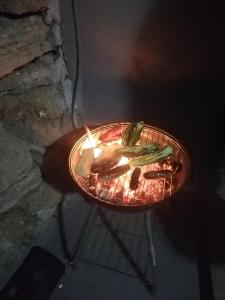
101 249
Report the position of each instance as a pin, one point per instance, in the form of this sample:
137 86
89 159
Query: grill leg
154 270
78 245
69 256
119 242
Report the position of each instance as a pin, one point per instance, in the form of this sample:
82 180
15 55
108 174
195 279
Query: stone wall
34 111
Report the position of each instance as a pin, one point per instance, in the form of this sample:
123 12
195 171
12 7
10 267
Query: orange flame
90 141
123 161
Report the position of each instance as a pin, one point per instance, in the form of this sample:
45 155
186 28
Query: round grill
150 191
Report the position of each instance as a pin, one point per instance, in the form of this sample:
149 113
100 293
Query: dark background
162 62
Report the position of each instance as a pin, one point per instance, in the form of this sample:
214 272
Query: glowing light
119 142
123 161
90 141
97 152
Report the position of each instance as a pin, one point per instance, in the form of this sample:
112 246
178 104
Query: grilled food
139 150
158 174
111 134
132 134
106 160
114 173
151 158
134 181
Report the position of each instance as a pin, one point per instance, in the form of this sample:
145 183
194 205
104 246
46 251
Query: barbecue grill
117 192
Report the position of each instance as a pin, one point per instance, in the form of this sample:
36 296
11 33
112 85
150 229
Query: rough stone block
23 40
20 224
17 174
22 6
15 159
38 116
28 180
46 70
40 103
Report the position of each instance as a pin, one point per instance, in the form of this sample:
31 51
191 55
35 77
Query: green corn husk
83 167
152 157
135 136
127 133
139 150
132 134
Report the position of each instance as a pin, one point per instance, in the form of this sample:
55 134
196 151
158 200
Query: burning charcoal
93 191
105 184
175 165
118 197
108 175
92 180
158 174
111 134
134 181
134 201
103 193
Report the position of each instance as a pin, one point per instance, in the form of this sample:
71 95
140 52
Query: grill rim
130 207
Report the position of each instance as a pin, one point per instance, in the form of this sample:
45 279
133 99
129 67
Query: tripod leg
126 253
82 234
148 227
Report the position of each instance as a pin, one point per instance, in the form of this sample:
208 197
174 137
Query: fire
90 141
123 161
97 152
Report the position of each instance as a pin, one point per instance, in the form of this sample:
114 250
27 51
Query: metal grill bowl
149 192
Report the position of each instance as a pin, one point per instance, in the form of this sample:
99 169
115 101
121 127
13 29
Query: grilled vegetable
83 167
106 160
138 150
127 133
113 173
135 179
111 134
132 134
152 157
158 174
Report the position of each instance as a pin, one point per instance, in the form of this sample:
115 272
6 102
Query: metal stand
106 220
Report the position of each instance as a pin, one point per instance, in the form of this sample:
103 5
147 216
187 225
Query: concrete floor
177 276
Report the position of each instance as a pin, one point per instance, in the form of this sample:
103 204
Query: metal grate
101 249
149 191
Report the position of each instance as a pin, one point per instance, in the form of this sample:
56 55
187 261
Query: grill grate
100 248
149 191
